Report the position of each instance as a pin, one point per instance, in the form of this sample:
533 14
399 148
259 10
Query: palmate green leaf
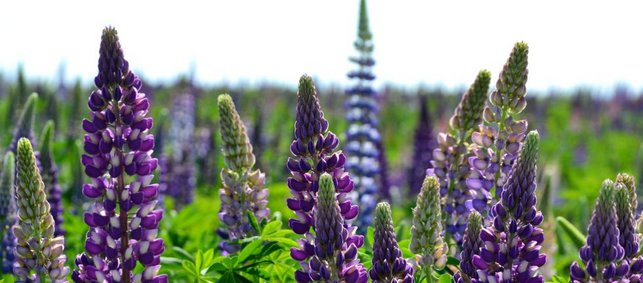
271 227
577 237
558 279
231 277
248 250
445 278
183 253
404 248
253 221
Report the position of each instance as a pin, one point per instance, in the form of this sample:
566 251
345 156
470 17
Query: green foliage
263 258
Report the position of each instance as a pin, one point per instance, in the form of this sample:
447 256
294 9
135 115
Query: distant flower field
122 181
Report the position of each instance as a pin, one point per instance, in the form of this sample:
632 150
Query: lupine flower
17 98
471 245
117 159
625 212
7 213
602 252
38 251
24 125
498 139
243 188
511 251
50 177
424 143
362 135
388 263
180 161
426 232
450 160
629 238
313 150
335 246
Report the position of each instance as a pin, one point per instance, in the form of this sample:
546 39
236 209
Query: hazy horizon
573 44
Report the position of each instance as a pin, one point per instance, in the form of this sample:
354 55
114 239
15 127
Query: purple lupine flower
511 251
470 246
363 138
388 263
424 143
181 159
450 160
626 201
602 253
497 141
123 222
313 150
335 247
50 177
243 188
7 213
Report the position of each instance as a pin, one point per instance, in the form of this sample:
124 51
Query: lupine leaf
574 234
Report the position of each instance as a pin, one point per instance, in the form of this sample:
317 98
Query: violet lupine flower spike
628 236
424 143
50 177
24 125
511 251
313 150
363 138
450 160
499 138
7 213
38 251
180 161
335 250
470 246
123 222
426 232
602 251
388 264
243 188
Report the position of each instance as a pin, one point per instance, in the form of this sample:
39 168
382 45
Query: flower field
118 180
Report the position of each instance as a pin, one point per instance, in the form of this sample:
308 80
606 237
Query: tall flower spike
628 236
24 126
123 222
181 171
7 213
499 138
37 251
426 232
450 161
243 189
335 252
363 139
313 150
424 143
50 177
511 250
629 183
388 263
602 251
471 245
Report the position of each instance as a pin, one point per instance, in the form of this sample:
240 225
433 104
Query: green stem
499 153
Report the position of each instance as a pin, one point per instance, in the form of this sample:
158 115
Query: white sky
435 43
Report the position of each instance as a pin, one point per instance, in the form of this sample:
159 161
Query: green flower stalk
7 213
38 251
426 232
626 214
451 160
243 188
